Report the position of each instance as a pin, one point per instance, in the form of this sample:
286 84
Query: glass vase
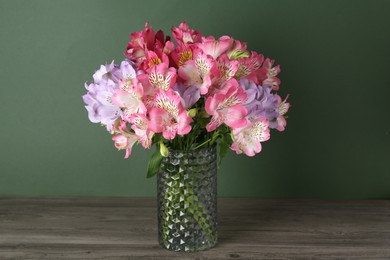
187 200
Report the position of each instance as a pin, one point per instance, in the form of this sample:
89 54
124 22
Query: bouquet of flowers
200 92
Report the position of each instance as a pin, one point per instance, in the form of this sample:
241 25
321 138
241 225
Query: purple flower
260 102
124 72
189 95
99 105
98 100
104 73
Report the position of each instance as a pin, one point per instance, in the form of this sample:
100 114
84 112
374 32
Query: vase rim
213 146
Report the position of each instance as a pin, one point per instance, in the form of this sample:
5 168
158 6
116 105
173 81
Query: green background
335 61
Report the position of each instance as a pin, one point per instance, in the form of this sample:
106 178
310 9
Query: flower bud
163 150
192 112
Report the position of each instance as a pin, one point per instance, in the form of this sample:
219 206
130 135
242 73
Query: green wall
335 61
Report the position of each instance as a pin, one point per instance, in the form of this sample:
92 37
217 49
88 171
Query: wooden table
126 228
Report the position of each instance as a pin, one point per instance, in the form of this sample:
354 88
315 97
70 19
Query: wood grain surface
126 228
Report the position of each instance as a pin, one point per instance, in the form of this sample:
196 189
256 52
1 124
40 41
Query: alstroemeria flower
283 107
140 42
268 77
153 58
226 106
104 74
181 55
227 68
198 71
247 139
213 47
124 139
183 35
169 117
124 73
260 102
189 95
140 125
162 77
238 50
99 104
250 67
130 98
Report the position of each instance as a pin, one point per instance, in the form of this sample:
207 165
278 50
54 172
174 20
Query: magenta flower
247 139
183 35
140 42
226 106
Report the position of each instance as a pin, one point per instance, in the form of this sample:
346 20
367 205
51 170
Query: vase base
188 248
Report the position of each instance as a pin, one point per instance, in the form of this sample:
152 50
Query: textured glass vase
187 200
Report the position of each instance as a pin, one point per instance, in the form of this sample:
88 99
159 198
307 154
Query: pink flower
198 71
181 55
129 97
227 69
214 47
153 58
226 106
247 139
162 77
283 107
125 139
140 42
140 125
168 116
250 67
269 79
183 35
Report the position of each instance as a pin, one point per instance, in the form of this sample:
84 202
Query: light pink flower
226 106
283 107
247 139
162 122
129 97
198 71
124 140
140 125
213 47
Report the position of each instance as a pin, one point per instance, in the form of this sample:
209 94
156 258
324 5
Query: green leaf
154 163
224 145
